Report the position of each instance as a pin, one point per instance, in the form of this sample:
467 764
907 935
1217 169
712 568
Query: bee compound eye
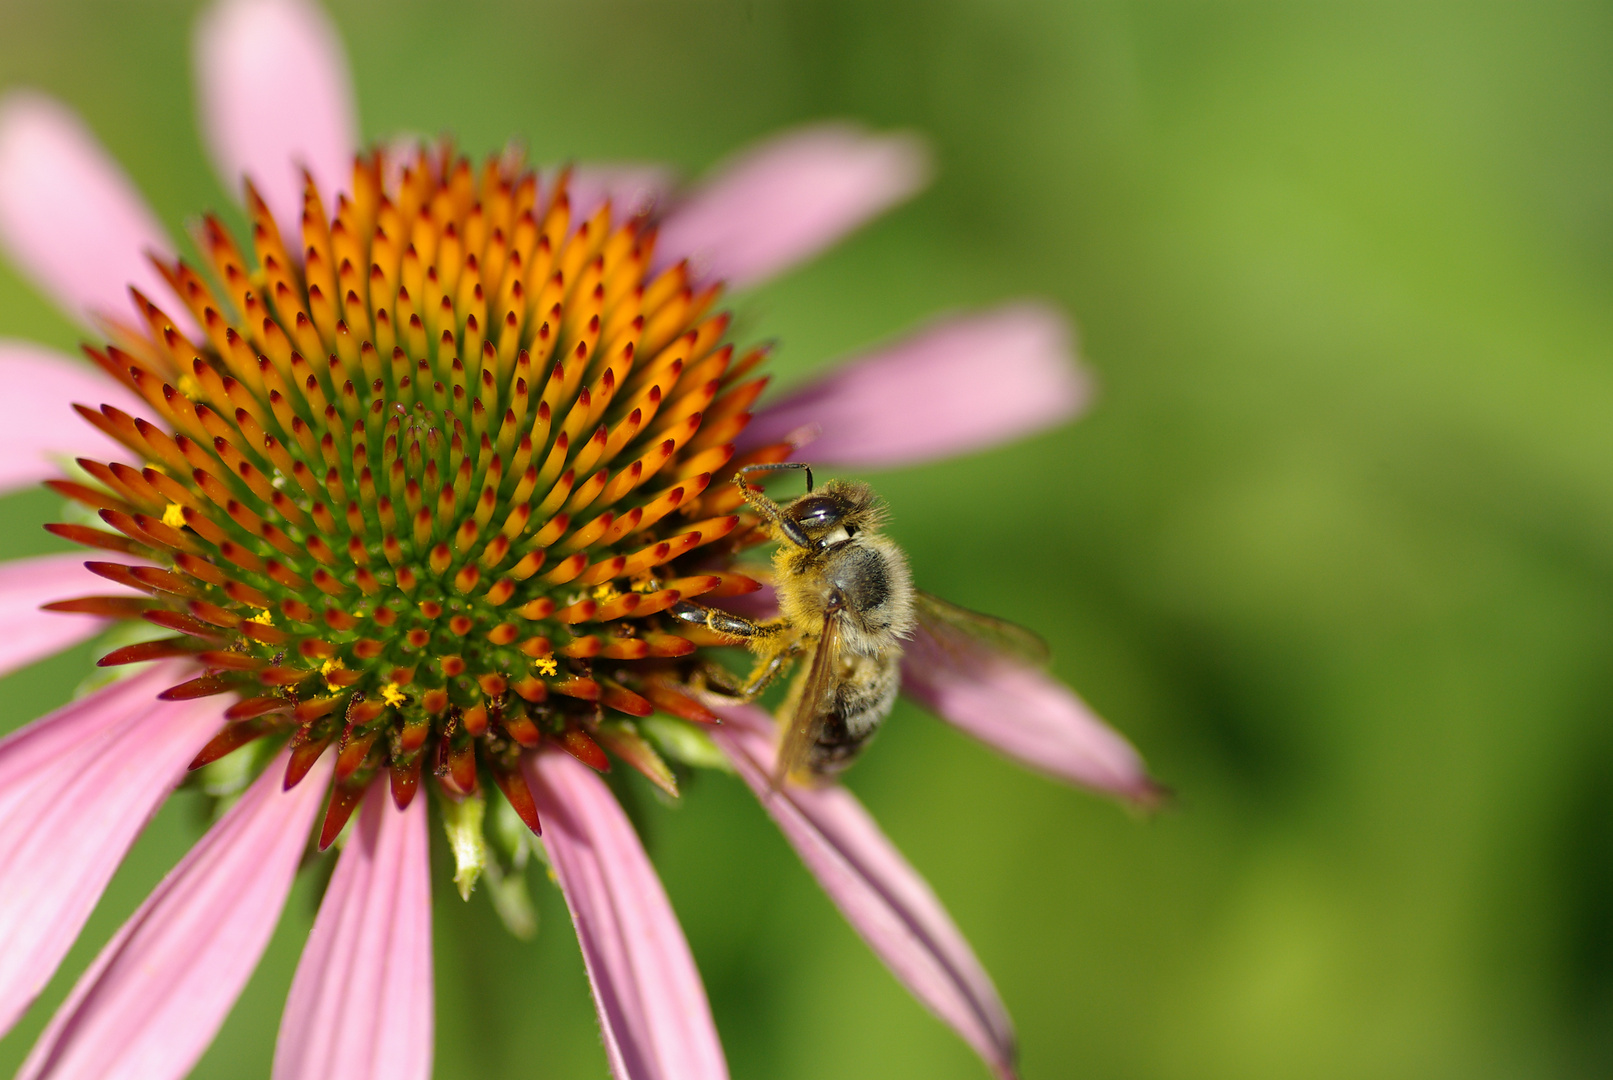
817 512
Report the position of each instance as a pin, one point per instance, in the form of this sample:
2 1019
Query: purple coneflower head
389 501
451 535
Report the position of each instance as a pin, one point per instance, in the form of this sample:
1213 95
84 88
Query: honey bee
847 604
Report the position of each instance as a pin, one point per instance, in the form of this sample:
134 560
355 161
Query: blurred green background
1335 547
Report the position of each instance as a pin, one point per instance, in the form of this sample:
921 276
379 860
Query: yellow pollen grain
546 666
333 664
391 694
646 584
173 516
606 593
264 617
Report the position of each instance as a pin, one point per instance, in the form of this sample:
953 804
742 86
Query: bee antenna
775 466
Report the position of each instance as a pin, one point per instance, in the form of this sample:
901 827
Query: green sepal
684 741
462 821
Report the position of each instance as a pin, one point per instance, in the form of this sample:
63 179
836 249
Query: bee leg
724 622
710 675
718 679
783 526
770 640
767 667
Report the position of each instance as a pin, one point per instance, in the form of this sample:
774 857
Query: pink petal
27 583
632 189
275 98
1028 716
76 788
40 431
153 1000
652 1006
785 200
360 1006
69 217
881 895
960 385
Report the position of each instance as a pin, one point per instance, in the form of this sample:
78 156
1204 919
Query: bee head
820 520
832 515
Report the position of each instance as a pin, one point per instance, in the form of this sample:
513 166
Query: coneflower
452 535
391 499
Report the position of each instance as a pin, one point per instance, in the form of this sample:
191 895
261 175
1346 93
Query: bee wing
812 707
961 632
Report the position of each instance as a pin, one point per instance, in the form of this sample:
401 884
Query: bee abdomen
859 706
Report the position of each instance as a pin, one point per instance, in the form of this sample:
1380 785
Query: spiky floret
425 490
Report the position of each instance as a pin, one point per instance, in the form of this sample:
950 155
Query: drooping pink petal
153 1000
27 583
790 197
652 1007
276 97
76 788
1025 714
360 1006
40 431
632 189
69 217
879 892
963 384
